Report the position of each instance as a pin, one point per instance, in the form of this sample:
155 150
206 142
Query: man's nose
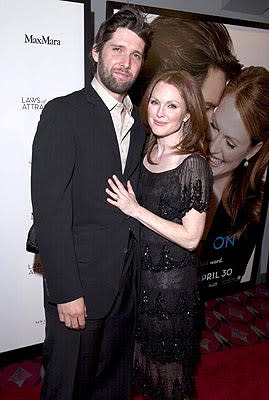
209 114
126 60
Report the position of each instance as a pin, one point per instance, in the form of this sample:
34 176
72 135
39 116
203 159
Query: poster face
228 259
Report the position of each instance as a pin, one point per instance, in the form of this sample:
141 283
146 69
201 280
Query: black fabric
167 338
95 363
81 237
233 256
31 242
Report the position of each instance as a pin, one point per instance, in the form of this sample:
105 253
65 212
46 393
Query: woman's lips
159 123
214 161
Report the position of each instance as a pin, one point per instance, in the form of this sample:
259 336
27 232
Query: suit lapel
137 140
109 138
102 114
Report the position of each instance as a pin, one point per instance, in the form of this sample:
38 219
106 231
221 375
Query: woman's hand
124 199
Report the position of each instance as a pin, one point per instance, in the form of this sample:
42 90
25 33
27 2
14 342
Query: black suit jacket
82 239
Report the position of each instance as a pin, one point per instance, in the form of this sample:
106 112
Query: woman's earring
246 163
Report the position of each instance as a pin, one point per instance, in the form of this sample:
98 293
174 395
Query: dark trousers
94 363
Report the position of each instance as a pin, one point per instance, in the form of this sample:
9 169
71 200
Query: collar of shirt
109 100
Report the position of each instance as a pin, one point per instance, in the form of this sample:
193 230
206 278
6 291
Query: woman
239 147
176 183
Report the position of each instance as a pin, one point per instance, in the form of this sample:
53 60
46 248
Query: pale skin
212 89
229 145
121 57
166 113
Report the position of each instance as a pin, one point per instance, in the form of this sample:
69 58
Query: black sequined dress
167 338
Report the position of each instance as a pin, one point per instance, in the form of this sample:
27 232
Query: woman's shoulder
196 160
196 167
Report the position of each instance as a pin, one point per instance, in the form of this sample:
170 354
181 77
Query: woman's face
166 111
229 139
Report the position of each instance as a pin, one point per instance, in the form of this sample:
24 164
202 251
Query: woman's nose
215 140
159 112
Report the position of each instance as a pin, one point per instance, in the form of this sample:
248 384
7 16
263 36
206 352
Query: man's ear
95 53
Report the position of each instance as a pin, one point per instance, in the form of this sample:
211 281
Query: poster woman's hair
243 196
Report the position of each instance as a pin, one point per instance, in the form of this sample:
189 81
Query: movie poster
228 260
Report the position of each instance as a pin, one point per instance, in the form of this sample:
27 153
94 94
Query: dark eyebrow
116 45
123 47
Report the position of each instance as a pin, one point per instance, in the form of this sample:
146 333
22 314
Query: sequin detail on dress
166 263
169 312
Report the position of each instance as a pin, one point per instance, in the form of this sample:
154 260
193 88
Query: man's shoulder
70 98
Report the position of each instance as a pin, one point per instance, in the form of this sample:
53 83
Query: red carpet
24 393
238 374
234 346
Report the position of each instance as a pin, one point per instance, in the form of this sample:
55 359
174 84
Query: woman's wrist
136 211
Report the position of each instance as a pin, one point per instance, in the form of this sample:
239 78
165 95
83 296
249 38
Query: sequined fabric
169 317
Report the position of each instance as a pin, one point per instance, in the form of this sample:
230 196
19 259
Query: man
86 245
202 48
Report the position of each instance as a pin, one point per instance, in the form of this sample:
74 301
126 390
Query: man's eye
210 107
117 49
212 124
138 56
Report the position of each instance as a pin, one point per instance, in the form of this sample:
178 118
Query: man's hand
73 313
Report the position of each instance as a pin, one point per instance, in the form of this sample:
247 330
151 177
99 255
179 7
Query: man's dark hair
188 45
129 17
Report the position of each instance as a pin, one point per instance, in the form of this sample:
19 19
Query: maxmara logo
41 40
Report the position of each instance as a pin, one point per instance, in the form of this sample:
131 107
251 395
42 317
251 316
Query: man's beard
111 83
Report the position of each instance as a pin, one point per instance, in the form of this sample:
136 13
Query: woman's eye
153 102
117 49
230 144
173 106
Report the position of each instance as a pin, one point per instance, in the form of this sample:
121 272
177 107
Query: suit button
125 250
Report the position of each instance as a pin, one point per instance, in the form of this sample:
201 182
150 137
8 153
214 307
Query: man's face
212 89
119 62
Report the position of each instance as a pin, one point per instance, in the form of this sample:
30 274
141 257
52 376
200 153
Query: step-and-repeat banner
42 56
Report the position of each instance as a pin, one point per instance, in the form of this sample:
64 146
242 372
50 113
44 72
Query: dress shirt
121 117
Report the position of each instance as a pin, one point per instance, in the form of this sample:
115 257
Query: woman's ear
95 53
187 117
254 150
